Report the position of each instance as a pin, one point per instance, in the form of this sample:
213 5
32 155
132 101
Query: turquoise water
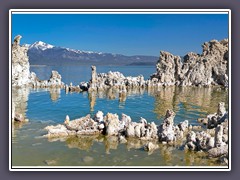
77 74
45 107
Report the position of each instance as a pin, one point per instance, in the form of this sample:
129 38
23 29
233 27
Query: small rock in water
36 144
67 119
150 146
87 159
50 162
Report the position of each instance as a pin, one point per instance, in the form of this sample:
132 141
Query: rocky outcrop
55 81
170 133
217 118
214 140
21 75
111 125
20 64
103 81
209 68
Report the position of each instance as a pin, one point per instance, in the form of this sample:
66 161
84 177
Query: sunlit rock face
20 64
209 68
21 75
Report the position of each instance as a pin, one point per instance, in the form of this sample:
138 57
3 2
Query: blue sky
128 34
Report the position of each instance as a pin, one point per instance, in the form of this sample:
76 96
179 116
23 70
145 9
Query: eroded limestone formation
209 68
20 64
21 75
55 81
213 142
117 80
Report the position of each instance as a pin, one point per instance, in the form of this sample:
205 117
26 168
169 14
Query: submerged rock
88 159
50 162
150 147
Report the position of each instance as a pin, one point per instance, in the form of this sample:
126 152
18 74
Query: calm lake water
45 107
77 74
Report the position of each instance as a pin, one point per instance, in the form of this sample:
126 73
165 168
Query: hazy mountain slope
41 53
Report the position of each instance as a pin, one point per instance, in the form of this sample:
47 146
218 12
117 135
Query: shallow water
45 107
77 74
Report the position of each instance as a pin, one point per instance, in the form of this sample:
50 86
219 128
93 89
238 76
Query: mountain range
41 53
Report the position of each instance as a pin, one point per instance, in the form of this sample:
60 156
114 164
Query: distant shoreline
38 65
114 65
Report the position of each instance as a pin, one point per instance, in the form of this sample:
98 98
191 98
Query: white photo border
116 11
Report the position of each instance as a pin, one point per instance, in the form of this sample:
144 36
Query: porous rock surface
209 68
213 142
215 139
102 81
21 75
20 64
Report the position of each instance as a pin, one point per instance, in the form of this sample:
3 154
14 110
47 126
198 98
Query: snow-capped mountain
41 46
41 53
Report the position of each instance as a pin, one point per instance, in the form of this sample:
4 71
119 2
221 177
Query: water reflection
92 100
82 143
54 93
166 152
110 142
190 98
180 99
85 142
19 105
129 152
20 99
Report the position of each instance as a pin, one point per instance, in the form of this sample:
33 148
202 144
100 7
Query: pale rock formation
126 120
219 117
214 140
209 68
20 64
82 126
112 124
55 81
130 131
21 75
99 116
117 80
149 146
166 129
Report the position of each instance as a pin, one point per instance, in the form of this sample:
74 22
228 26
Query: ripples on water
50 106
